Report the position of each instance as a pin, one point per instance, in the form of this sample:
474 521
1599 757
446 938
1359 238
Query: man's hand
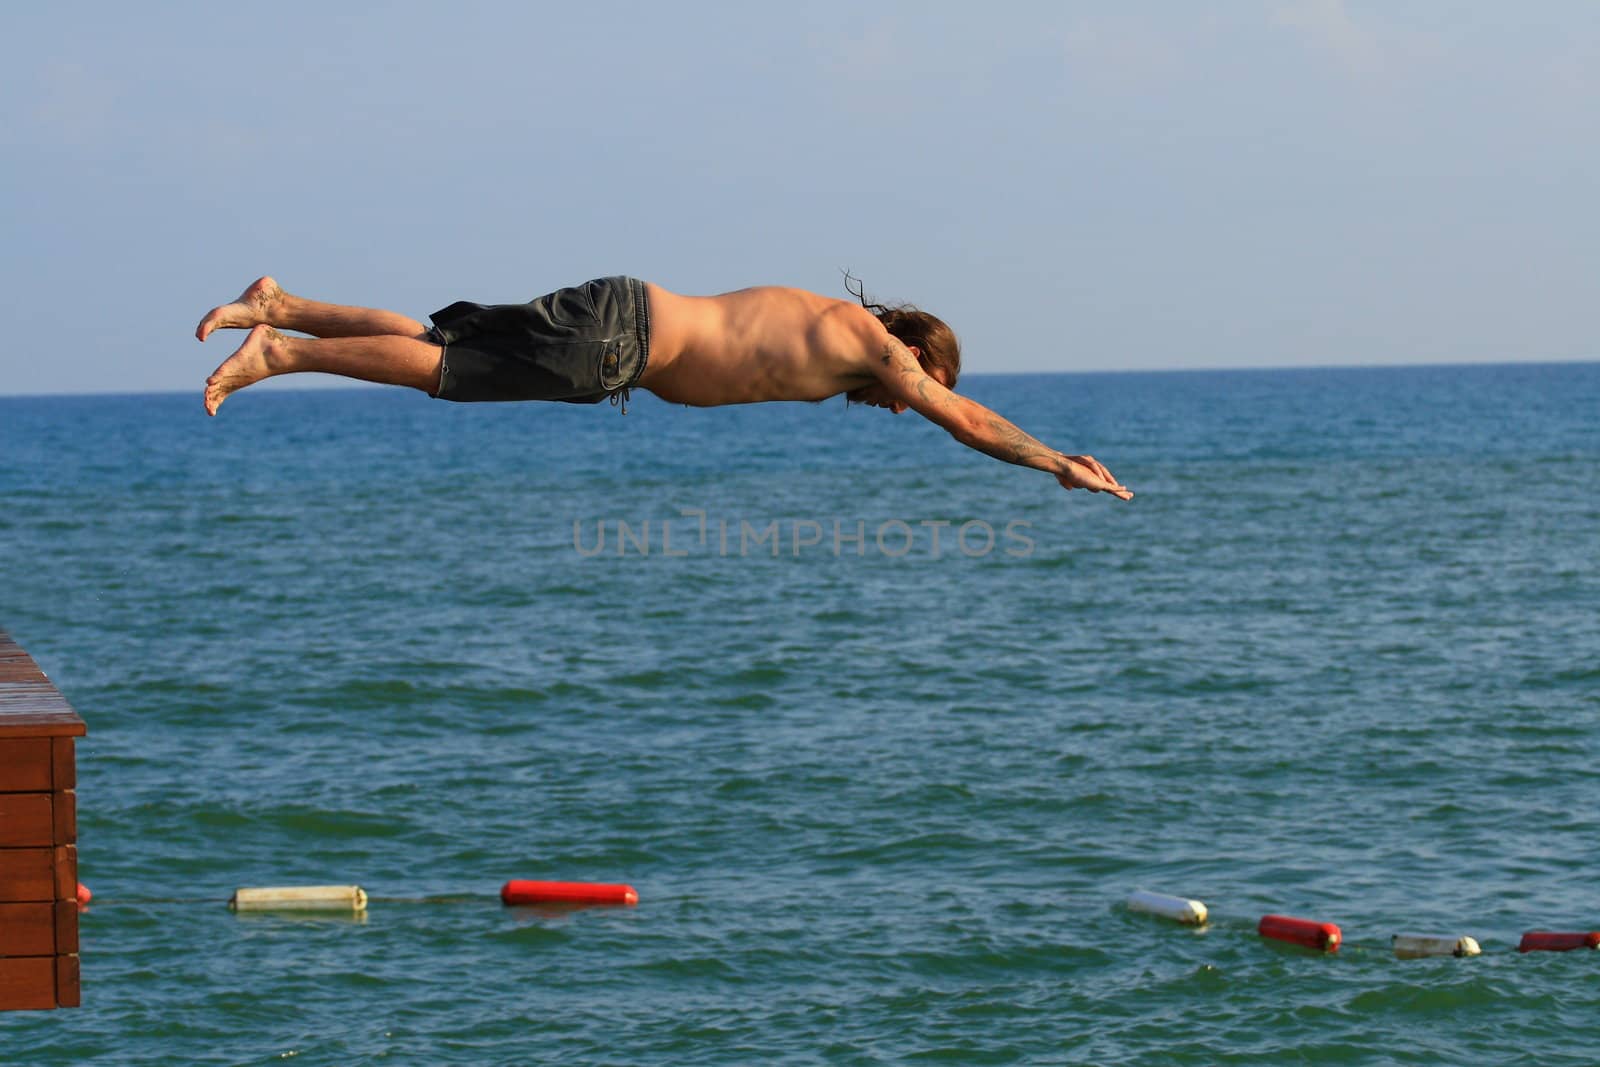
1086 472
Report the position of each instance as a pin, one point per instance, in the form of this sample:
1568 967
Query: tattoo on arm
911 372
994 436
1008 442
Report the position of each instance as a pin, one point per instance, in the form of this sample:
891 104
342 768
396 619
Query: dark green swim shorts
579 345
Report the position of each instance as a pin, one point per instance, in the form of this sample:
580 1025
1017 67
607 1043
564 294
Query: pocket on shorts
573 308
616 367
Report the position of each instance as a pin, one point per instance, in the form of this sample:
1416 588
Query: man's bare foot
253 308
256 359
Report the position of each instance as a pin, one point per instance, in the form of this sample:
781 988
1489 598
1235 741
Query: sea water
882 797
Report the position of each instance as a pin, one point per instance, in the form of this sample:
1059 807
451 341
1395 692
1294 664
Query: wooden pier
38 837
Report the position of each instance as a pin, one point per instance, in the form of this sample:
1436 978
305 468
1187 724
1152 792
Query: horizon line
354 385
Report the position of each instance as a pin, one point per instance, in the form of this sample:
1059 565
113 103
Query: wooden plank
27 929
64 770
27 716
65 858
66 818
15 663
36 709
66 923
27 765
30 705
27 820
33 874
30 983
68 991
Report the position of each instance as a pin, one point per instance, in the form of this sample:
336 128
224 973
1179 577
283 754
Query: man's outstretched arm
979 428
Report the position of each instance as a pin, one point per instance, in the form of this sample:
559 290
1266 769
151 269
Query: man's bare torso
753 345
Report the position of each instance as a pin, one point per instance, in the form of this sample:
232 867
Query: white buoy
1178 909
1420 946
301 898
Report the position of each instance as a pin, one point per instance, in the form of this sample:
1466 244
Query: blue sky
1074 186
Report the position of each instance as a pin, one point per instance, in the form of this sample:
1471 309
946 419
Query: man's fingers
1093 465
1097 477
1114 487
1100 469
1109 480
1084 472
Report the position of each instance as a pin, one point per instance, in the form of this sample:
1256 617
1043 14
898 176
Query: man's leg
389 360
265 303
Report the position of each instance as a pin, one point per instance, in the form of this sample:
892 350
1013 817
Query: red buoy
520 891
1321 936
1547 941
84 896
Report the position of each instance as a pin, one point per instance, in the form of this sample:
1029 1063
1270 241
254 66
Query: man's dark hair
937 342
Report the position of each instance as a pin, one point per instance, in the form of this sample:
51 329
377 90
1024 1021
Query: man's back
754 345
